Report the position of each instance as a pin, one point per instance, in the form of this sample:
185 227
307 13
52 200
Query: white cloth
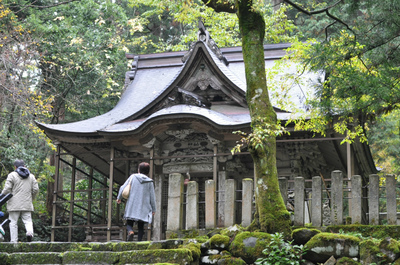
24 191
26 218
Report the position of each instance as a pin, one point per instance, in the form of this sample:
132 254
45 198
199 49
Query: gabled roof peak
204 36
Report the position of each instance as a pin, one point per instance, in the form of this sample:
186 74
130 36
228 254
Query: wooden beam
110 194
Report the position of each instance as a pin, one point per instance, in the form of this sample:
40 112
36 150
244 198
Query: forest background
65 61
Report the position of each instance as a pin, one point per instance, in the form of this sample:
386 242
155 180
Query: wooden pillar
215 164
72 199
56 177
157 222
90 197
110 194
350 172
221 191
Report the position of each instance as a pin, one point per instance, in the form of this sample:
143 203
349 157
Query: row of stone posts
336 199
176 199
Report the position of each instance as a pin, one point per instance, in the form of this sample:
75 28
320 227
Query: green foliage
357 47
281 252
259 135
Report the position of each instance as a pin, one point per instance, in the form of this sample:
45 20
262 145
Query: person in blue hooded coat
141 203
24 188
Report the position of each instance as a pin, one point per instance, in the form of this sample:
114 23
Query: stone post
356 199
192 205
175 199
373 199
299 197
337 197
316 201
221 191
230 202
391 204
283 187
247 201
211 207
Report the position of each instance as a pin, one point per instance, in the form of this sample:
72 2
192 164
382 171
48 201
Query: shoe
130 236
29 238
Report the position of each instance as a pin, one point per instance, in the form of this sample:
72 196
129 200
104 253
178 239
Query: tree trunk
271 211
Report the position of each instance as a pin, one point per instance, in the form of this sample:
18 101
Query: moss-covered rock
219 242
370 253
302 235
391 248
232 231
194 249
249 245
90 257
34 258
181 256
10 247
4 258
347 261
231 261
166 244
324 245
375 231
126 246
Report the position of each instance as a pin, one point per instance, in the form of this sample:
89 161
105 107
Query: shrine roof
155 74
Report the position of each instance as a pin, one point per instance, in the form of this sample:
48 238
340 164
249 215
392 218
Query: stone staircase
165 252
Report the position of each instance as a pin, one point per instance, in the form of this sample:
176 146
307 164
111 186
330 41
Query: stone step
68 246
87 257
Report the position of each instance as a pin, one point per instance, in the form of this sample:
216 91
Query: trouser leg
27 219
140 230
129 226
13 216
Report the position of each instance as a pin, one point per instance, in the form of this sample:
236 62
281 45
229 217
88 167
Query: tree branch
50 6
324 10
311 12
220 6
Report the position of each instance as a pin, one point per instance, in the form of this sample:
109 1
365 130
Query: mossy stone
231 261
166 244
182 256
375 231
302 235
194 249
219 241
35 258
249 245
324 245
369 252
347 261
90 257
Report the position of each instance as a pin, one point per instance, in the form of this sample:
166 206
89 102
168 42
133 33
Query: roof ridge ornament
204 36
130 75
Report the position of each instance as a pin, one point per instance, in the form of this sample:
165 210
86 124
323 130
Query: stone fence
185 215
362 203
339 199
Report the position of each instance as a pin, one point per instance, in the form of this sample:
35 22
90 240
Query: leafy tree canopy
356 43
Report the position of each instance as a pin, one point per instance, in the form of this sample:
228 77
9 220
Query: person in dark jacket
24 188
141 203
